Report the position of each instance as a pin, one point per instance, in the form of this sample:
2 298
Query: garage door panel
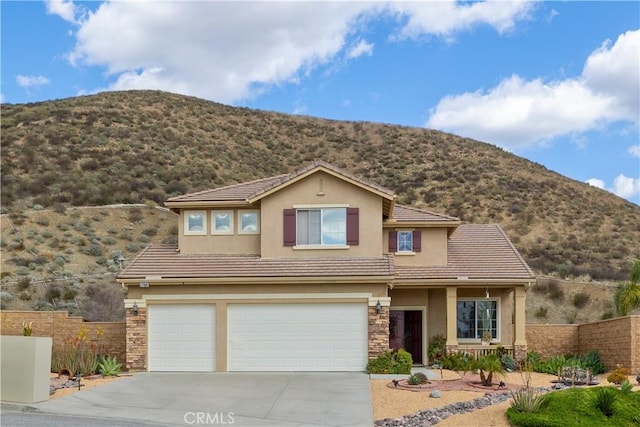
302 337
181 337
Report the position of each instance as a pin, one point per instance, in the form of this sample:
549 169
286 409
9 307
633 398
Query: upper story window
321 227
195 222
326 226
222 222
405 241
248 222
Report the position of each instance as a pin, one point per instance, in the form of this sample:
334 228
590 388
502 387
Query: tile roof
403 213
167 262
252 189
233 192
476 251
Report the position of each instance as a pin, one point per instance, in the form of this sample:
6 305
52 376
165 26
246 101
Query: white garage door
182 337
297 337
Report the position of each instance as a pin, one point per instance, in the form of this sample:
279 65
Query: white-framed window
475 316
405 241
323 227
248 222
195 222
222 222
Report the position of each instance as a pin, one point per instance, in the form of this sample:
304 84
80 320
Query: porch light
134 309
378 307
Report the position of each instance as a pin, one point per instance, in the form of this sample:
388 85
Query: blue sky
555 82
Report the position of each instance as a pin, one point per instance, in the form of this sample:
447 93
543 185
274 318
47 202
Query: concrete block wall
61 327
617 340
551 340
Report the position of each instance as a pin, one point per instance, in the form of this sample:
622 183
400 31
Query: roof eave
206 204
132 280
392 223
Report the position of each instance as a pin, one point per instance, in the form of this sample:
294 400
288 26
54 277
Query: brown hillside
130 147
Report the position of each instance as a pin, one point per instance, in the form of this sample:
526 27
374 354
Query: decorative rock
435 394
433 416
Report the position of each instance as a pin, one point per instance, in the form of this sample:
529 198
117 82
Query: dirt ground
85 384
394 403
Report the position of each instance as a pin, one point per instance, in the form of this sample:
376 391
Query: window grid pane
405 241
196 222
249 222
475 317
222 222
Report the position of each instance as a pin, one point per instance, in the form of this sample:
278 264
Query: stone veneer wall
378 331
61 327
617 340
136 340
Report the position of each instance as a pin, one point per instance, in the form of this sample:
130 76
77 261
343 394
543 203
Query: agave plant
109 366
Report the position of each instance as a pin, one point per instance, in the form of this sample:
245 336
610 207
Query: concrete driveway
238 399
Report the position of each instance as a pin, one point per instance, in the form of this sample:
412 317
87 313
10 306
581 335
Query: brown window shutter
353 226
289 227
417 241
393 241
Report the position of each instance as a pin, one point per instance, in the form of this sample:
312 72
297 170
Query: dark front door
405 331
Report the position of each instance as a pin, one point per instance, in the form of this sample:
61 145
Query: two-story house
317 270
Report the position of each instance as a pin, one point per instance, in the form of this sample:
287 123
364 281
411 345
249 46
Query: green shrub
417 379
23 283
459 361
109 240
591 360
437 347
626 386
150 231
580 299
509 362
541 312
391 362
94 250
605 399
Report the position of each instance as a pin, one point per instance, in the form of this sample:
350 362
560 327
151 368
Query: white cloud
634 150
361 48
230 51
595 182
623 186
223 51
518 113
63 8
444 18
626 187
29 81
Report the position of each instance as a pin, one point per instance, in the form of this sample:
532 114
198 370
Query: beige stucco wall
335 192
433 249
437 312
230 244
